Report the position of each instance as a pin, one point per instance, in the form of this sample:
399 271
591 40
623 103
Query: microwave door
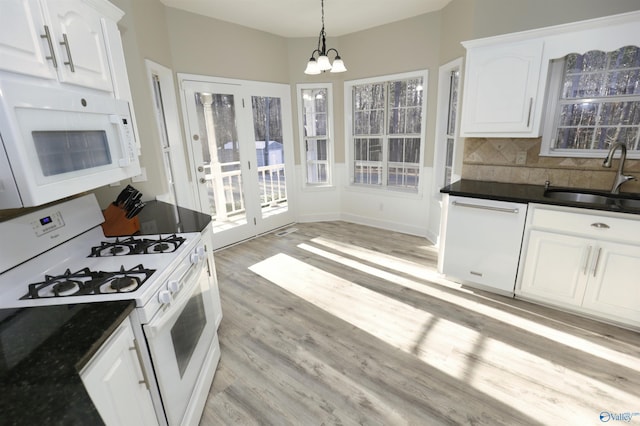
68 152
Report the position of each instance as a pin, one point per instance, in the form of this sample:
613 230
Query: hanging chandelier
322 63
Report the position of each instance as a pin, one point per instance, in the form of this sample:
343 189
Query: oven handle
177 305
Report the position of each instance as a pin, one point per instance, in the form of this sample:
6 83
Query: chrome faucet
620 176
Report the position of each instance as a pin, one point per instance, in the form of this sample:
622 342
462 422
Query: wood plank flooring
344 324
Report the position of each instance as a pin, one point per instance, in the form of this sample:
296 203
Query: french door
241 152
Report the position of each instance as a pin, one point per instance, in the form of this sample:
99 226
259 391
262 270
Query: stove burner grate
138 245
88 282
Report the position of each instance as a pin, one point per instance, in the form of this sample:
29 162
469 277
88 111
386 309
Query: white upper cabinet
67 40
77 29
506 76
501 89
23 43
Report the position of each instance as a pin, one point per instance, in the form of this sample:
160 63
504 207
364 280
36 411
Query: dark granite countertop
162 218
523 193
42 350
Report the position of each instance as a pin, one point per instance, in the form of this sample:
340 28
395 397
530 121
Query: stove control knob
202 254
164 297
195 258
173 286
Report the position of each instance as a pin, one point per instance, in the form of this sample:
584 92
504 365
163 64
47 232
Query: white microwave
61 142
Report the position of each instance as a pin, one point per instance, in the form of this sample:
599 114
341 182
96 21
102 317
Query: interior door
241 150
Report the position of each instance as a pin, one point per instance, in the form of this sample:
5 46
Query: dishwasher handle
481 207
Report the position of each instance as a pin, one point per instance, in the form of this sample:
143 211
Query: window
314 102
387 117
594 100
178 189
446 128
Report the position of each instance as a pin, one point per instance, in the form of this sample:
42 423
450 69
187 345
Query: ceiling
302 18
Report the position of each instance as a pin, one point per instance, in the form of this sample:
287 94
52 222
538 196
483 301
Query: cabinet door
556 267
79 38
22 50
500 90
112 379
614 285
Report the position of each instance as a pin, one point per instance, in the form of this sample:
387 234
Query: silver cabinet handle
481 207
600 225
530 109
586 261
47 35
595 265
136 348
65 43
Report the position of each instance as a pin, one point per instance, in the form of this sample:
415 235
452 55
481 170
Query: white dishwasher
481 241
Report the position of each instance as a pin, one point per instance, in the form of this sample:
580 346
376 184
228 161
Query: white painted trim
442 117
184 190
330 134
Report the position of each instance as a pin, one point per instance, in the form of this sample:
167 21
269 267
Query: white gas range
61 256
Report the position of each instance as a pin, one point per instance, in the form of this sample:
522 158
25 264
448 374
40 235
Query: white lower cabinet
614 287
116 384
572 259
556 267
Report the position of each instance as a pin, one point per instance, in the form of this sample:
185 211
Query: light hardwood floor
338 323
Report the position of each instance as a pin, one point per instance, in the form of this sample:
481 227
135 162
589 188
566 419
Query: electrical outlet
521 157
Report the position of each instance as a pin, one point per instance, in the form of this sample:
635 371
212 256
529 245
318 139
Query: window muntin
316 133
386 132
597 102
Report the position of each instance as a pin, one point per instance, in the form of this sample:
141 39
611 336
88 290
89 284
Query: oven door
179 338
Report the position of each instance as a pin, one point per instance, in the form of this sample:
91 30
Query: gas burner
121 285
138 245
66 288
88 282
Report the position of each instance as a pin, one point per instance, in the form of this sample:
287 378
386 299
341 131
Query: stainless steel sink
630 203
593 197
578 197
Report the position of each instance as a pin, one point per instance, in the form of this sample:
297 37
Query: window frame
329 136
442 124
551 119
180 189
350 139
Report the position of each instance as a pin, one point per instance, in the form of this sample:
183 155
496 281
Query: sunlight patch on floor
502 371
387 261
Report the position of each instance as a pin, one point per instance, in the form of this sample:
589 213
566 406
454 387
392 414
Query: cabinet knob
600 225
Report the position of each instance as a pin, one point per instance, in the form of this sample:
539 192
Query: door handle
65 43
47 35
595 265
136 348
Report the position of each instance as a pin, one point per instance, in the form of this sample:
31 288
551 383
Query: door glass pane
269 148
221 158
185 333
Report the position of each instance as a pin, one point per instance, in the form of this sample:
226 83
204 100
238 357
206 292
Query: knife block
116 224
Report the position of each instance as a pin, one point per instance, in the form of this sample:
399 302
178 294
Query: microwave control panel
47 224
130 141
